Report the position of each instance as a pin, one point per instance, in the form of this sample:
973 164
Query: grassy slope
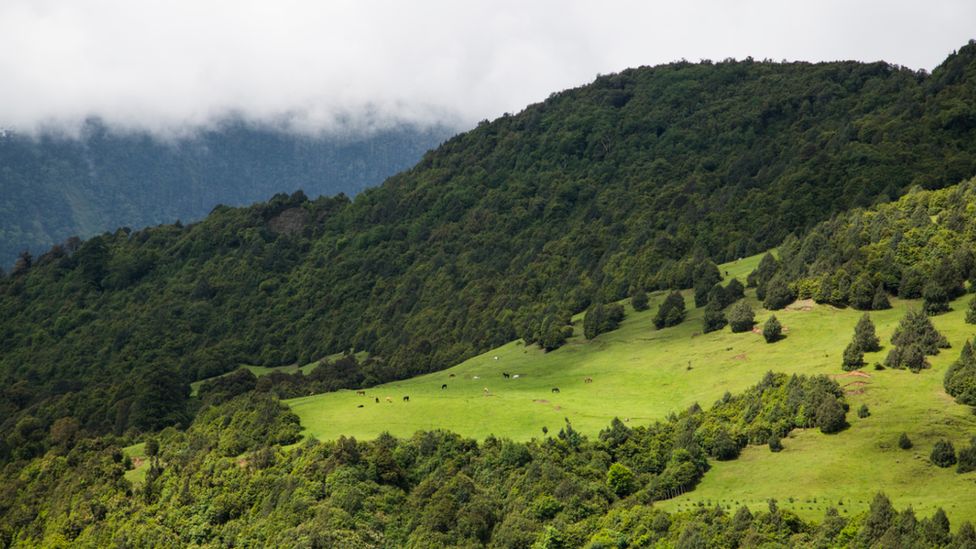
642 374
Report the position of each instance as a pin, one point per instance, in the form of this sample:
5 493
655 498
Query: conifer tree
734 291
714 319
865 336
671 312
638 300
971 311
778 294
741 317
880 301
853 357
862 293
943 454
772 330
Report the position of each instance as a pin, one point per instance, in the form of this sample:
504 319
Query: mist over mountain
54 186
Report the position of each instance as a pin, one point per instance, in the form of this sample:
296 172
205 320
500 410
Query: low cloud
171 66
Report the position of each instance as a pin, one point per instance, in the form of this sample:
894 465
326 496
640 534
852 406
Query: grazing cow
452 375
377 400
515 376
444 386
475 377
360 406
588 380
505 375
361 393
406 398
555 389
390 400
496 357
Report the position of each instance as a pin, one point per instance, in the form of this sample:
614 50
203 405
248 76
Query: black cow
555 389
406 399
444 386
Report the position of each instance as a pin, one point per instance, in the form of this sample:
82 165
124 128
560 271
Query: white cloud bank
171 65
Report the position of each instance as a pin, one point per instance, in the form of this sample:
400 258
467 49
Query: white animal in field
475 377
496 357
515 376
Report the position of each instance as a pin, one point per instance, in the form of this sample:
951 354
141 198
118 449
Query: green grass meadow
640 374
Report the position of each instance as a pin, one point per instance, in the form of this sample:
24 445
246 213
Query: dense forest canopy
502 232
53 187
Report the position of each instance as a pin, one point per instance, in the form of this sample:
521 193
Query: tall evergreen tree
734 291
772 330
778 294
971 311
713 319
862 293
880 301
865 336
741 317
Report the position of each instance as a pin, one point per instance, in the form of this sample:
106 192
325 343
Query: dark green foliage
904 442
601 318
912 283
863 411
741 317
914 338
862 293
960 378
853 357
943 454
621 480
772 330
865 335
967 458
936 529
713 319
775 444
638 300
880 301
971 311
671 312
734 291
703 290
778 294
764 272
830 416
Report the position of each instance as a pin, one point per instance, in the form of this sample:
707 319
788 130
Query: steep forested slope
501 232
55 187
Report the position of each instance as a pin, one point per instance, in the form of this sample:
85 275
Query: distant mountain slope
52 188
500 233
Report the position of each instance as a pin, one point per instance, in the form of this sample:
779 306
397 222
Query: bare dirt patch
855 373
802 305
541 401
741 356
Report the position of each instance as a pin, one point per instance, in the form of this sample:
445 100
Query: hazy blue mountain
54 187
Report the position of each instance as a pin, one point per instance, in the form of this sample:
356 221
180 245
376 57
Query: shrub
880 301
904 442
671 312
775 444
971 311
943 454
772 330
865 335
967 459
713 320
863 411
741 317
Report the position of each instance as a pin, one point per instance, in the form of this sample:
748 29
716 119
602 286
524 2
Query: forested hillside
502 232
53 187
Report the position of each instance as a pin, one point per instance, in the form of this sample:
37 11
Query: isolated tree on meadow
914 338
943 454
865 335
671 312
960 378
904 442
741 317
830 416
853 357
772 330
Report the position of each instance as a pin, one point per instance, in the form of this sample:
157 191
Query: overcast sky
169 65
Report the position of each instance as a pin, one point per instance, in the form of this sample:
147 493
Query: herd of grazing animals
487 392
